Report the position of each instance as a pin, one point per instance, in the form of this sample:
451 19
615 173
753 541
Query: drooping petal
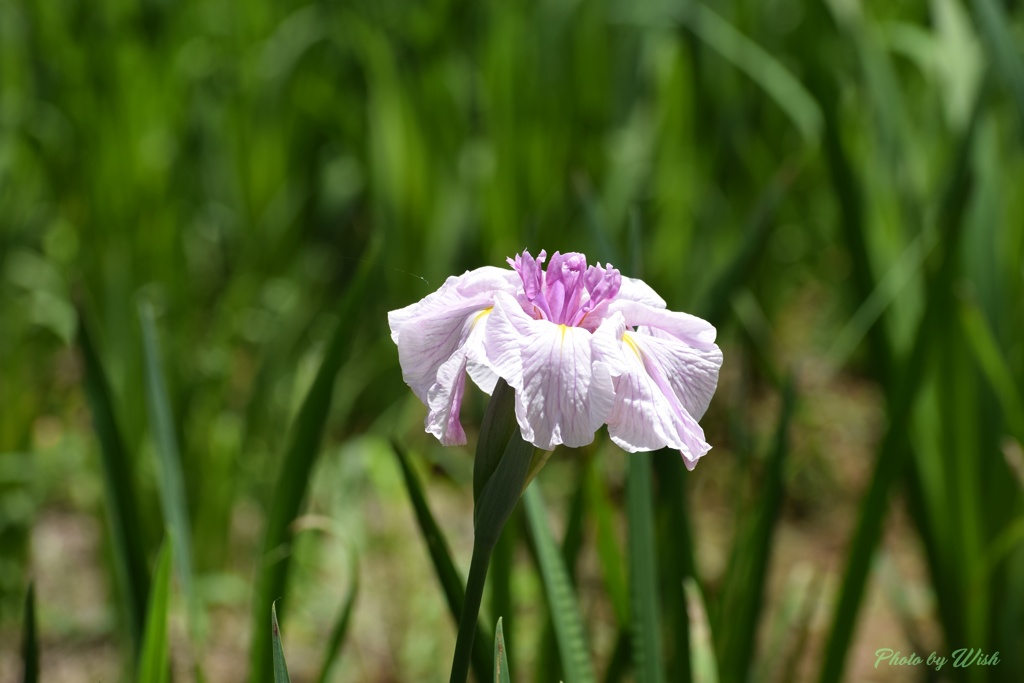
691 372
689 328
562 396
633 289
444 401
428 332
650 411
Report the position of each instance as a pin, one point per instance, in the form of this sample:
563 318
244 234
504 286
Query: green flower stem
470 611
500 471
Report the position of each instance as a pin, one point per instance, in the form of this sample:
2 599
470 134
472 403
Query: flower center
568 289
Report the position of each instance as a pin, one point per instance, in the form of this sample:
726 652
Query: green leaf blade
30 638
280 666
643 579
702 650
296 469
744 589
341 625
562 602
119 490
501 673
154 661
441 558
170 480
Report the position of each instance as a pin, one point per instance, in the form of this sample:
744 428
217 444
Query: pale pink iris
582 347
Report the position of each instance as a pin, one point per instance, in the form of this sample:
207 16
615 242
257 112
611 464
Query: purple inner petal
563 285
532 275
602 283
567 290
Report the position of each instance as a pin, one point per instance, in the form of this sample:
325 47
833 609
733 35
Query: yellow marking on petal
481 315
563 328
631 344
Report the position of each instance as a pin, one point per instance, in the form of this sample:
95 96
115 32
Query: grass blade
622 655
501 674
561 601
30 638
994 365
154 661
122 509
702 651
1003 48
548 663
280 666
743 594
340 629
894 451
791 625
502 568
441 558
170 481
674 535
608 550
758 230
750 58
296 468
643 579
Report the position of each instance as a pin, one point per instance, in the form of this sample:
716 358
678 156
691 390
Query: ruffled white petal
662 385
562 396
689 328
429 331
633 289
621 358
691 372
440 338
444 400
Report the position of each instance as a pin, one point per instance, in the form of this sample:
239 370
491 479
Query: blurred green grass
793 170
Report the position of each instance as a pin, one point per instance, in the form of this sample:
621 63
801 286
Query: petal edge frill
648 413
429 331
695 331
562 395
440 338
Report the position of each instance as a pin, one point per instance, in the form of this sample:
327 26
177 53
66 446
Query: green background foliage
207 208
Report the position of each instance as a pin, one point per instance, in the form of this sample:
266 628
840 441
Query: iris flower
581 346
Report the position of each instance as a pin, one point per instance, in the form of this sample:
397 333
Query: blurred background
207 208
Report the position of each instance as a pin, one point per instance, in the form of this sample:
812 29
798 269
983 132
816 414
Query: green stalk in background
441 558
702 648
119 490
501 672
30 638
295 471
643 572
280 665
675 557
155 662
562 604
170 482
548 660
744 585
893 454
500 579
341 624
